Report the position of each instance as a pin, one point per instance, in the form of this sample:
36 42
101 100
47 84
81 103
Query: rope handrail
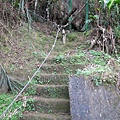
59 29
3 114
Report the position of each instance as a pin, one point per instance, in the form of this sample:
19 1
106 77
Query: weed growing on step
79 57
31 90
59 59
56 92
39 54
30 105
37 78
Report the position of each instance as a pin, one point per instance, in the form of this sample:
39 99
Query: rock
88 102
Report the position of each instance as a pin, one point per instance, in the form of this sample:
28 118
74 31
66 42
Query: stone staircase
51 101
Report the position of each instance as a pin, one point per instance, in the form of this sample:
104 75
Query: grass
19 106
22 50
15 112
102 68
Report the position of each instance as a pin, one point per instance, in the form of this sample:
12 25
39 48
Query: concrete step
52 91
56 79
40 116
59 68
48 105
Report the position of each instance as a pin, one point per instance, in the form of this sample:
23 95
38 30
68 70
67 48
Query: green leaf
112 3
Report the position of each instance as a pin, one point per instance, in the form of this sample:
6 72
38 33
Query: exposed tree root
7 84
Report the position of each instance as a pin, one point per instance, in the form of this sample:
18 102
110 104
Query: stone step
48 105
67 68
64 59
41 116
52 91
58 79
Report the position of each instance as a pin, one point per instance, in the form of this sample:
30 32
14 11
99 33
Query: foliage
15 112
105 18
117 32
21 105
59 59
30 105
101 69
111 3
105 15
71 37
31 90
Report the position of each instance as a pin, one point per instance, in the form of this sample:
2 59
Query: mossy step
48 105
51 79
41 116
64 59
52 91
67 68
